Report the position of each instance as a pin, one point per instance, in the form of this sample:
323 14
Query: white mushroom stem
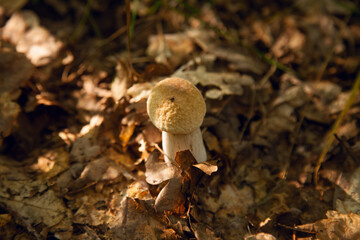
173 143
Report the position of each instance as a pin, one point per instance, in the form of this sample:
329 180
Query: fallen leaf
12 76
120 83
139 91
211 142
202 232
123 159
240 59
260 236
12 5
36 42
171 197
338 226
219 84
85 148
102 169
158 171
5 218
126 133
45 208
52 163
208 167
351 187
170 49
133 222
235 201
280 120
138 190
18 23
11 80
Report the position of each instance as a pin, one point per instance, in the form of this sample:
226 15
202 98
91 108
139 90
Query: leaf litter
81 160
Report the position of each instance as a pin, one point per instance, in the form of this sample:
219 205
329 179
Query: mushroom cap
176 106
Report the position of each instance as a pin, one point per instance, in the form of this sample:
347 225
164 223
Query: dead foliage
80 159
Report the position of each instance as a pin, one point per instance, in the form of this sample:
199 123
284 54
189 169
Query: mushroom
177 108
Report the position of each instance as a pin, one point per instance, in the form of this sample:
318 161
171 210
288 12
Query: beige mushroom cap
176 106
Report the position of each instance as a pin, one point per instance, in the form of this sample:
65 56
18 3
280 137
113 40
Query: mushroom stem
173 143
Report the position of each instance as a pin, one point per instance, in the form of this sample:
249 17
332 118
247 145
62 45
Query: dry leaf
13 79
34 41
212 143
102 169
240 59
158 171
235 201
13 76
170 49
119 84
133 222
45 208
202 232
351 187
84 149
171 197
338 226
12 5
39 46
52 163
16 26
260 236
295 96
123 159
280 120
138 190
220 84
4 219
208 167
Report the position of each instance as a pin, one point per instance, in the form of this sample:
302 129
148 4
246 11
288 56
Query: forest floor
80 159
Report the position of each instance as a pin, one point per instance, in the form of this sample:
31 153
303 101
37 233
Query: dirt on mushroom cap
176 106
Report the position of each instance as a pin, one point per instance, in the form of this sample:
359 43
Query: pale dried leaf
102 169
88 214
202 232
39 46
280 120
170 48
295 96
338 226
139 91
44 208
240 59
138 190
118 86
158 171
133 222
221 84
327 91
235 201
16 26
208 167
260 236
52 163
121 158
351 202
